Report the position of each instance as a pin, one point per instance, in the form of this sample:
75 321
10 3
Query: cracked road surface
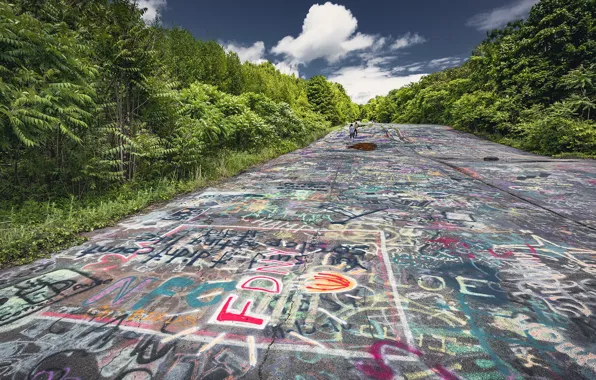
416 260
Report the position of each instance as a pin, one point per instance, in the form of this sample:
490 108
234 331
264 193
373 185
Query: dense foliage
91 98
101 115
531 84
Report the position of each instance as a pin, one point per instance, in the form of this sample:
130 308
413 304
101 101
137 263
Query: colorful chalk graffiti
415 260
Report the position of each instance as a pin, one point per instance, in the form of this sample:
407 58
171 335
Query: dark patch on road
363 146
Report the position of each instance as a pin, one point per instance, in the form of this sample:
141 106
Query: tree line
92 98
531 85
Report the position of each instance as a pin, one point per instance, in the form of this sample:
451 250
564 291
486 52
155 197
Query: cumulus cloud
363 83
254 53
153 7
358 42
328 32
499 17
406 40
287 68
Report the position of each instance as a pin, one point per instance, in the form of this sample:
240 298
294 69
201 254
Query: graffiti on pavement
416 260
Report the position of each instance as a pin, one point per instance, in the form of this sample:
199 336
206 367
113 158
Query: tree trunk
120 126
16 169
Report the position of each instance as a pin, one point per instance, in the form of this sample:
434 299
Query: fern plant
45 87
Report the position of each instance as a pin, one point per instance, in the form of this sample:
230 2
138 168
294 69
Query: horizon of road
430 254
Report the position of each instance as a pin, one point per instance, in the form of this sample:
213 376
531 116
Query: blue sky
369 46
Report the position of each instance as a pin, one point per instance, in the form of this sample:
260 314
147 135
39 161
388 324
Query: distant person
355 129
352 131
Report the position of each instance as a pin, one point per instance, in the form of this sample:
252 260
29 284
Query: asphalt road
415 260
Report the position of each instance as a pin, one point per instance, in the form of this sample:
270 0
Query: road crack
281 324
478 178
293 301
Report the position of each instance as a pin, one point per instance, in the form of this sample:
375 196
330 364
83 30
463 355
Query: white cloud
379 61
254 53
406 40
358 42
378 75
499 17
327 32
153 7
287 68
364 83
415 68
378 45
443 63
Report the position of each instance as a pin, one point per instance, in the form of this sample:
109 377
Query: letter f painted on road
227 316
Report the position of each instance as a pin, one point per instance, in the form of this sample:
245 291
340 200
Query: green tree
235 77
581 82
516 84
92 98
46 96
320 98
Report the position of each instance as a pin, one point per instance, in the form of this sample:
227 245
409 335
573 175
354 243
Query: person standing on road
352 129
355 129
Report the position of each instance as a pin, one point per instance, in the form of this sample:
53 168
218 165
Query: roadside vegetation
531 85
102 115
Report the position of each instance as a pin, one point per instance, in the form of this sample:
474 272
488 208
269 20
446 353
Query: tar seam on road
505 191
